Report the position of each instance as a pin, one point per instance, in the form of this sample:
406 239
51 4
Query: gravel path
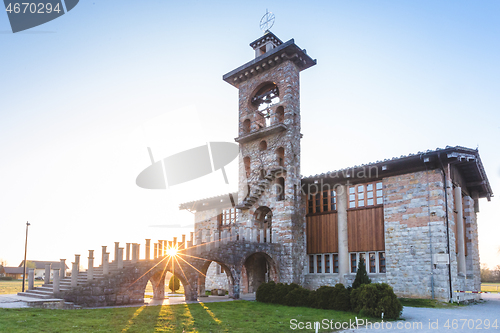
460 319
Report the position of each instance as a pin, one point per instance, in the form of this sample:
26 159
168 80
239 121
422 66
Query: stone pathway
454 319
14 301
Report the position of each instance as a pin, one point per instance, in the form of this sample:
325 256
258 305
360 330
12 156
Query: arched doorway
215 275
257 269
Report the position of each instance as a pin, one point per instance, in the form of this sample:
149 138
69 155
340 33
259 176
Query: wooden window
228 217
381 262
322 202
335 263
327 263
354 263
363 195
318 263
372 262
311 264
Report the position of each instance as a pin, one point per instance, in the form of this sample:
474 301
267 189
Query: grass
491 287
235 316
426 303
15 286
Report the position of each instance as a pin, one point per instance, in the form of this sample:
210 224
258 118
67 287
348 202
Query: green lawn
491 287
426 303
14 286
235 316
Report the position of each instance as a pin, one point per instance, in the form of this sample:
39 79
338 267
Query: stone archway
258 268
202 278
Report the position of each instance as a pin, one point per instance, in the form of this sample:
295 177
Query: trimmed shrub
341 298
265 292
361 275
373 299
324 297
297 297
174 283
6 278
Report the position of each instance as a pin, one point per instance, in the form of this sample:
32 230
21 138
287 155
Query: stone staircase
256 190
46 291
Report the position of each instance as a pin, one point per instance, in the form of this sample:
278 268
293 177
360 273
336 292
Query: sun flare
172 251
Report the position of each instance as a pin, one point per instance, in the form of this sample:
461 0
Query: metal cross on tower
267 21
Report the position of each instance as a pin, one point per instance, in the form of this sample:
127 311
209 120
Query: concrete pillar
74 275
342 232
77 260
105 264
134 253
459 237
155 251
261 232
31 278
56 280
102 254
90 270
147 255
62 271
47 274
120 258
127 252
117 245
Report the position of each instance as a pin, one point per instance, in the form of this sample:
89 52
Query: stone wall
215 279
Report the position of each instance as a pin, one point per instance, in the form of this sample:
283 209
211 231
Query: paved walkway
15 301
454 319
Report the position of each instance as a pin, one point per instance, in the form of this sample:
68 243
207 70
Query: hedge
370 300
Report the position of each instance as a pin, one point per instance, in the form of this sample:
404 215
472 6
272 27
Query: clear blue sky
78 94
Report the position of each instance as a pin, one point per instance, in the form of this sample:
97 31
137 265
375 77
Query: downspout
430 229
447 223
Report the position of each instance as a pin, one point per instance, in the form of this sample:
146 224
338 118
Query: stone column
127 251
77 260
138 255
134 253
74 275
175 242
274 238
191 235
119 262
105 264
90 270
117 245
62 272
342 232
254 235
261 231
268 235
242 234
216 239
155 251
459 237
31 279
56 280
103 253
184 241
47 274
148 249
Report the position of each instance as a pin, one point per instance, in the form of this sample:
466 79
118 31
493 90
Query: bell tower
269 137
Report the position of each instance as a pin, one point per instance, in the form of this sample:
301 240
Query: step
35 295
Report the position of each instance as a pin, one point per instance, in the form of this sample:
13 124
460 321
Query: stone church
412 218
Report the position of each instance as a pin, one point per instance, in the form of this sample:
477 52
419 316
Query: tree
361 275
174 284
